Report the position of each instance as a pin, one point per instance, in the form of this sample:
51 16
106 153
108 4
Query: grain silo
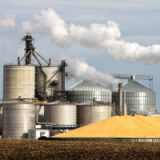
18 117
18 81
23 84
138 98
93 112
86 90
61 114
49 80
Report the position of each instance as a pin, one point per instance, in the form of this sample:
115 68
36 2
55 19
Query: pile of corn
119 126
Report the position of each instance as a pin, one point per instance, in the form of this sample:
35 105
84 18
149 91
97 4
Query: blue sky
138 20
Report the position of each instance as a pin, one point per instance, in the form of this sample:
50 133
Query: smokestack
62 68
29 48
124 111
18 59
133 77
49 64
120 98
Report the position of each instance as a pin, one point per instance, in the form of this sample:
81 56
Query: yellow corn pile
119 126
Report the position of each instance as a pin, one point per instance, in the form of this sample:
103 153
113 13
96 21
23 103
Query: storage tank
17 119
93 112
18 81
44 74
137 97
86 90
60 114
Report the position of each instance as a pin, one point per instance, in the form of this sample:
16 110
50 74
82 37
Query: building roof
133 86
86 85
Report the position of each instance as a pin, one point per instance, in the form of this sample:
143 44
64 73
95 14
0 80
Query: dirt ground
39 149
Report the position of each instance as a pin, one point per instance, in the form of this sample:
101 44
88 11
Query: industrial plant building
35 98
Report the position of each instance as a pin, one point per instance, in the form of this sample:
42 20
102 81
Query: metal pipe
43 123
45 77
17 99
37 112
124 95
114 109
49 63
41 57
24 57
120 98
124 109
43 74
37 59
18 59
62 69
124 103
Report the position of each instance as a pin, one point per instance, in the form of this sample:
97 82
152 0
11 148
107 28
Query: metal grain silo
18 81
46 75
86 90
17 119
62 115
60 112
137 97
94 112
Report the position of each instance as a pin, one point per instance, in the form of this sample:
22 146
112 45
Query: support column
120 98
113 109
124 110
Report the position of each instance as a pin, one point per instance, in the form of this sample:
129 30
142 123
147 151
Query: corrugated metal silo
18 81
94 112
138 98
85 91
17 119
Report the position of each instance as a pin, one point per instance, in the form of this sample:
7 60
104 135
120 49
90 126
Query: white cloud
20 52
7 21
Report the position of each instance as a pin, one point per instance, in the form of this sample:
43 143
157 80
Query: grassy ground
36 149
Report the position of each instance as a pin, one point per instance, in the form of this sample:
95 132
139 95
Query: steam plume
7 21
20 52
79 69
99 36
